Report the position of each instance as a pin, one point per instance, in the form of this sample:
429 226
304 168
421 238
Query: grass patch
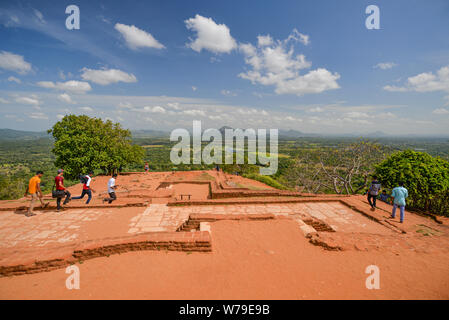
267 180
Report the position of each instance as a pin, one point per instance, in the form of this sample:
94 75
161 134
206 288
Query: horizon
312 67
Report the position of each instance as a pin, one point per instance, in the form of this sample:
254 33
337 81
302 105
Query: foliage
266 179
83 143
425 177
341 170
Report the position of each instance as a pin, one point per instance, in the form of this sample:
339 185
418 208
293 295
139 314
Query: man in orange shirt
34 189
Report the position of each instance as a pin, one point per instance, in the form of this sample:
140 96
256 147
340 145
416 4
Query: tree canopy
83 143
425 177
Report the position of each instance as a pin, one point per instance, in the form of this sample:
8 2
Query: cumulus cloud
385 65
107 76
210 35
155 109
71 86
137 38
425 82
274 63
14 79
14 62
66 98
27 100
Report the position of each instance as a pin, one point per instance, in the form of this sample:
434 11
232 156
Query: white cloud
297 36
39 16
14 62
263 41
86 109
71 86
425 82
316 109
27 100
210 35
66 98
194 88
14 79
38 115
440 111
385 65
136 38
107 76
3 100
156 109
228 93
277 65
194 112
125 105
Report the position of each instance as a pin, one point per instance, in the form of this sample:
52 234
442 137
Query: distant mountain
10 134
295 134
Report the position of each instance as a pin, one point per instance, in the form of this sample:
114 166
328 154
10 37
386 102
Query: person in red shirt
86 188
61 190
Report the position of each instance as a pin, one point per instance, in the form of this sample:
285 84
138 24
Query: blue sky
311 66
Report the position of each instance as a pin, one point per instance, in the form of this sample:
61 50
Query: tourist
86 188
34 189
61 191
373 191
399 194
111 189
384 196
147 167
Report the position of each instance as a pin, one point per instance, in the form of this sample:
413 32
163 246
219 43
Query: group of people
60 191
397 196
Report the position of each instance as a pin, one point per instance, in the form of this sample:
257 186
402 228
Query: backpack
374 189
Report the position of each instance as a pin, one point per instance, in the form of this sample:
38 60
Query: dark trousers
111 198
373 203
66 200
89 195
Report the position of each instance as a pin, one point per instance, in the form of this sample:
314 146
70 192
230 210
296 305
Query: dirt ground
250 260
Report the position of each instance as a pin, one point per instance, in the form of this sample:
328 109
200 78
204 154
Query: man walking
111 189
34 189
373 192
86 188
61 190
399 194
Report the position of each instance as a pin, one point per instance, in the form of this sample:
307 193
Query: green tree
83 143
425 177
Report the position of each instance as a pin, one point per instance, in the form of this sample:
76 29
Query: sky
311 66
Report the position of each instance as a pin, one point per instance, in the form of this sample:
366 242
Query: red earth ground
296 246
250 260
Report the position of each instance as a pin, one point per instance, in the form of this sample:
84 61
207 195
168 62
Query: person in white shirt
111 189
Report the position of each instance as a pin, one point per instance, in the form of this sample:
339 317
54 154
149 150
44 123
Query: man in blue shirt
399 194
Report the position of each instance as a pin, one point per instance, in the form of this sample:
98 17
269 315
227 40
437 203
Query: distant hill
150 134
10 134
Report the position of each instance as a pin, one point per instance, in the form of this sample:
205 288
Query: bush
425 177
267 180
